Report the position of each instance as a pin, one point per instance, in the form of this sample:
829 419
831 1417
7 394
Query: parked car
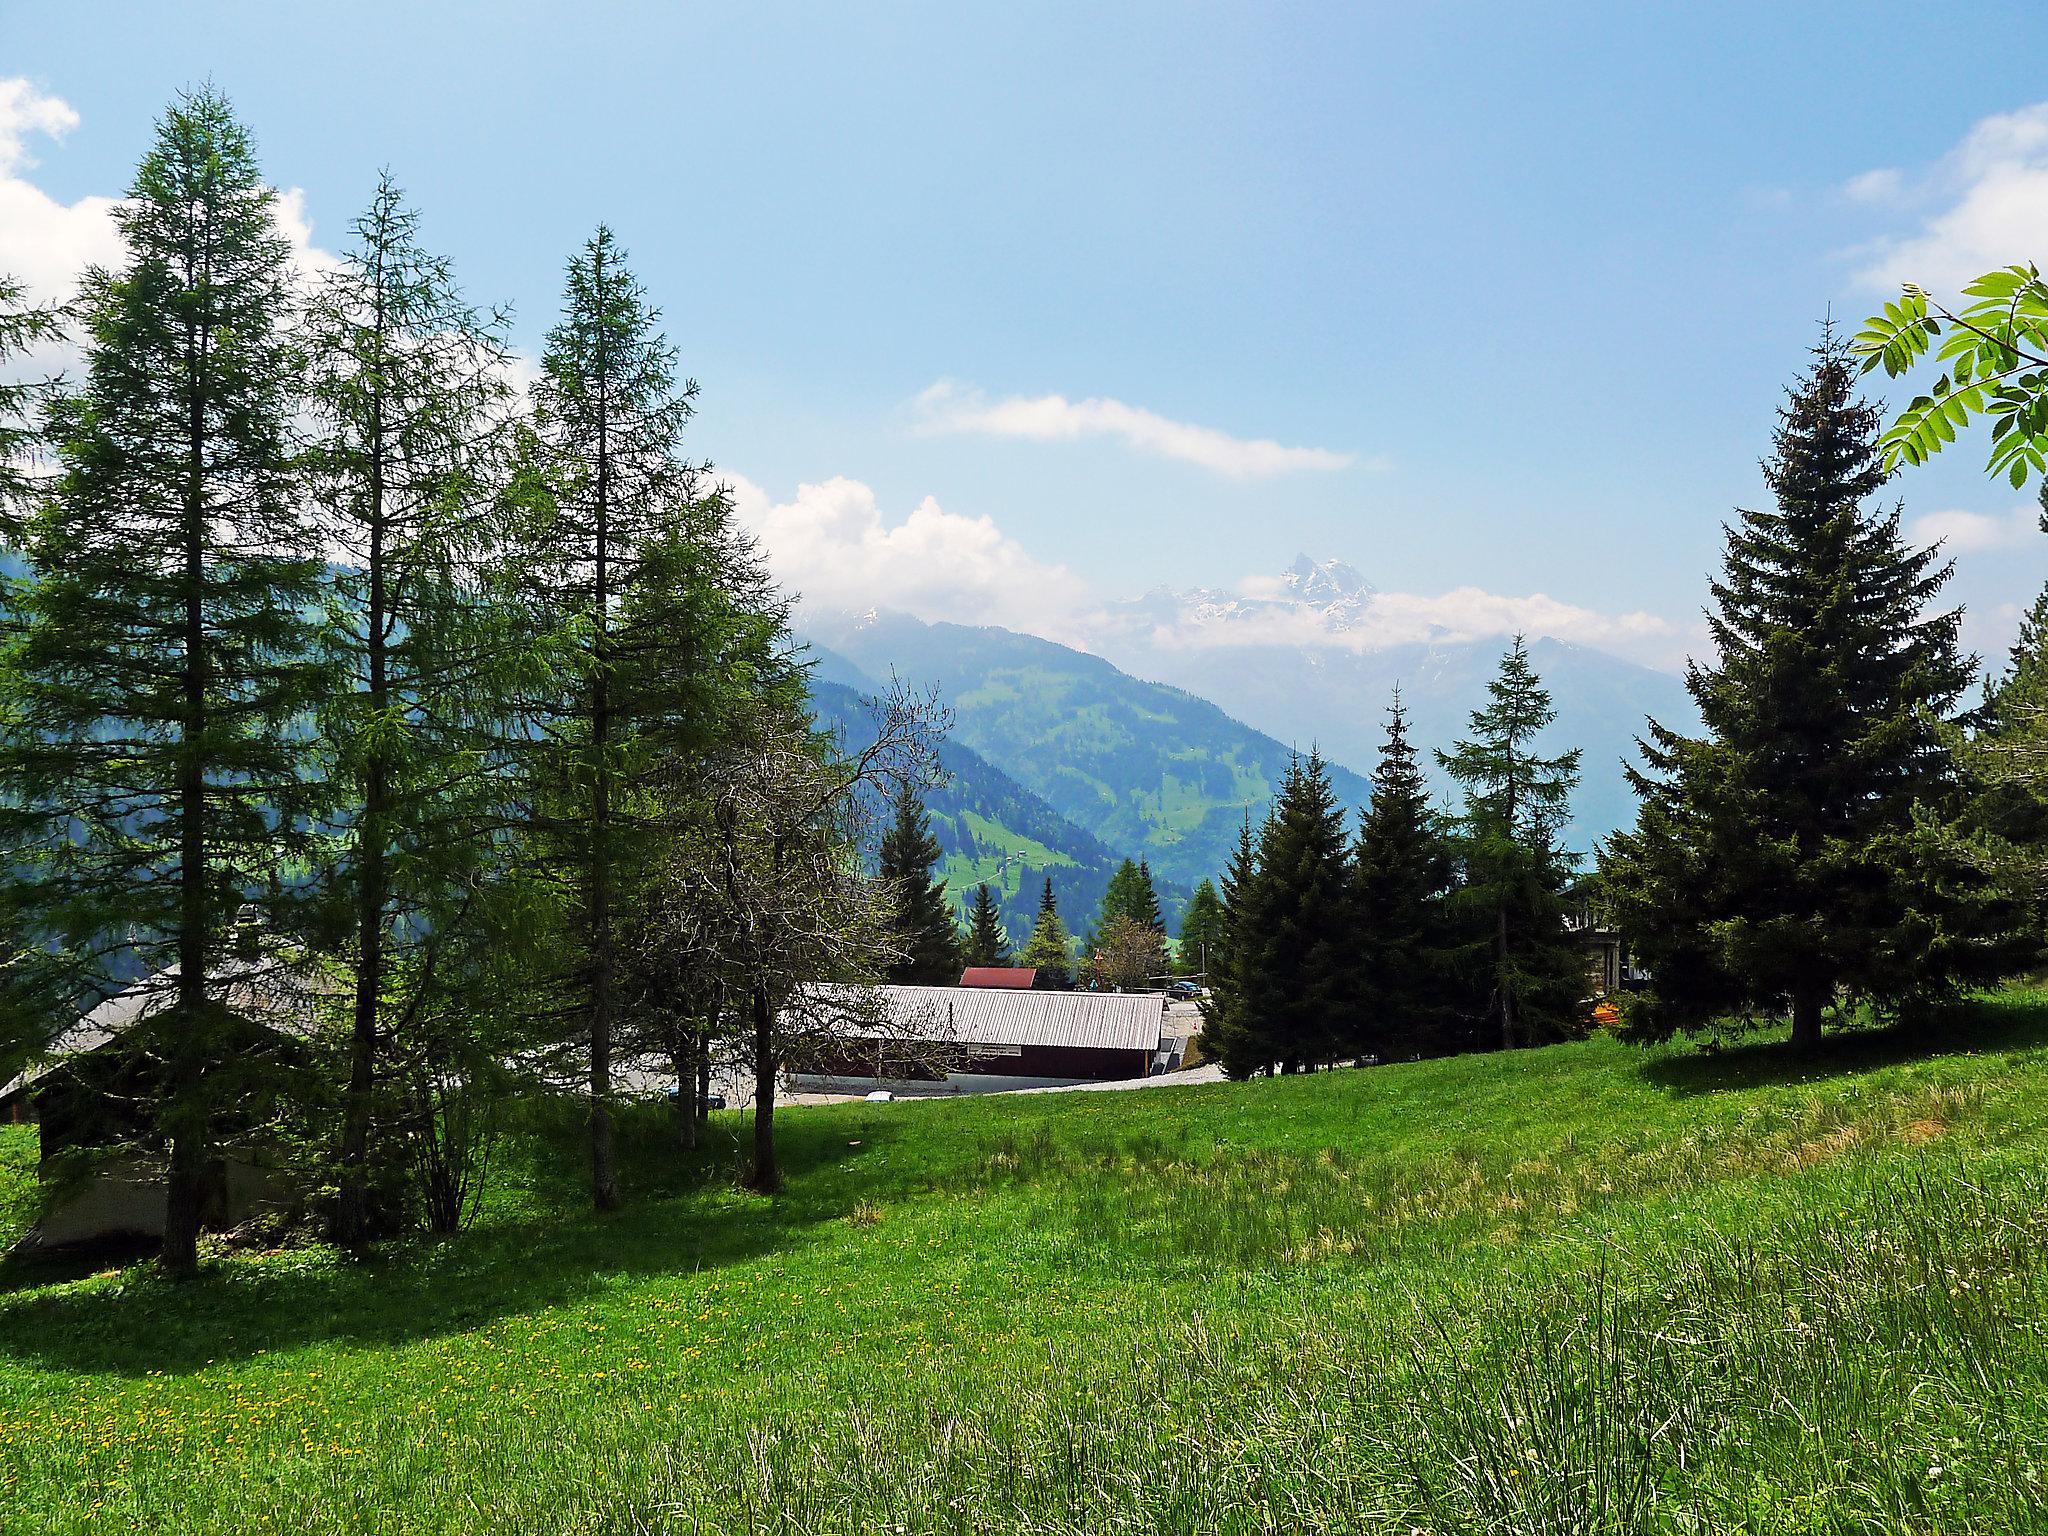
1183 991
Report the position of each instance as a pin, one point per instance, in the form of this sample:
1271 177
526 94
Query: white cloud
948 407
1974 532
1404 618
831 546
1983 205
43 242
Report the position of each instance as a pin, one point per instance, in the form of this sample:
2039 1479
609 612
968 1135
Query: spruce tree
1201 931
1049 951
1514 870
1227 1029
1401 871
1145 901
406 388
987 944
162 665
924 924
1794 854
1289 945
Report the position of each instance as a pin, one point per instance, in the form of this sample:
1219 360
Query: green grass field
1585 1289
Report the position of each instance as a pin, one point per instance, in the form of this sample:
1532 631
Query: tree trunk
682 1055
767 1177
1807 1003
186 1121
1503 993
352 1216
604 1177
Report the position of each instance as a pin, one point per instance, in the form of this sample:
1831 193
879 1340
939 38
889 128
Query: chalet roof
1113 1021
274 991
1020 977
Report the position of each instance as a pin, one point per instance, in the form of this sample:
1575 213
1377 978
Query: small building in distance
101 1160
1018 978
1002 1037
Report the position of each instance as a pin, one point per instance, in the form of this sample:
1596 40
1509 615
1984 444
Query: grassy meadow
1585 1289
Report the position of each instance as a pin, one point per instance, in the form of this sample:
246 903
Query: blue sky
1523 283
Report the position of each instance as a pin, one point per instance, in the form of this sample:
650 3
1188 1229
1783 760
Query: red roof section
1017 977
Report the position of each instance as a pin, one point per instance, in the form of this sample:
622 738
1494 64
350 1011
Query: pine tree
1794 852
924 919
1049 951
406 389
987 944
1201 931
1401 871
1145 901
1515 873
162 669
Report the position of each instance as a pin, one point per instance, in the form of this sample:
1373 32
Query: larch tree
1404 948
601 490
1513 868
987 943
926 933
1795 854
23 326
162 663
407 395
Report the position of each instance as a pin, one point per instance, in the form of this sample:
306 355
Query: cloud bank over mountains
833 544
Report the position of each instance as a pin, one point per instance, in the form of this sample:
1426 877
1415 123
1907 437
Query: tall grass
1572 1291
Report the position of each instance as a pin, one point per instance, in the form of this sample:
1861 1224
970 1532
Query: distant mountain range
1144 769
1162 744
989 827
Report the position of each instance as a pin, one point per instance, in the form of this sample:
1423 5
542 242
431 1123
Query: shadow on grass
2010 1022
542 1247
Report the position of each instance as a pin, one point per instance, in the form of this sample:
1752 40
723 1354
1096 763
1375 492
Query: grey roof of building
278 992
1109 1021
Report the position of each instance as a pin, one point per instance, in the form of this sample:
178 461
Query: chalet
1000 1037
102 1162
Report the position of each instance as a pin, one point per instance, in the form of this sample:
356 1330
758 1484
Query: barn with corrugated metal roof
1004 1038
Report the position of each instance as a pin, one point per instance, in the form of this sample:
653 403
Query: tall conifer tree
1049 951
924 918
1201 930
406 388
1794 852
1227 1029
647 605
1514 869
162 670
987 944
1401 871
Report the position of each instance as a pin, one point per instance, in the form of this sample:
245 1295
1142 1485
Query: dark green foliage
924 927
1795 851
1530 974
22 326
987 944
405 381
1131 895
1201 931
648 610
1289 949
1404 944
1050 951
161 668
